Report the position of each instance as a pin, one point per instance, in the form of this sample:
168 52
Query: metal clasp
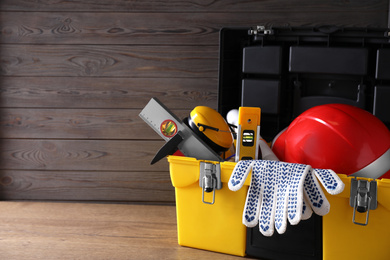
209 179
363 198
260 29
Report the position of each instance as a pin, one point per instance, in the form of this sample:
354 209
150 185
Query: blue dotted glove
314 194
281 191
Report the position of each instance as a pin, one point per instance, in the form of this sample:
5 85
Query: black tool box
287 70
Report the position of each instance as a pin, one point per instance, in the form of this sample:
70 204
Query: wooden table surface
40 230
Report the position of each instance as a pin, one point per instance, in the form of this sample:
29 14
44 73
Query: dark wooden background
74 76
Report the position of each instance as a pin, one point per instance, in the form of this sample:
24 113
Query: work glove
314 194
281 191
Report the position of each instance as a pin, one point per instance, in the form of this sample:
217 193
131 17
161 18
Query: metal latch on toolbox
260 29
363 198
209 179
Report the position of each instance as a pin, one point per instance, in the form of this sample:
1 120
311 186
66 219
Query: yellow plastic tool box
344 239
210 221
213 221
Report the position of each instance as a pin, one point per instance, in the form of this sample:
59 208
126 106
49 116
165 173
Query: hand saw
176 133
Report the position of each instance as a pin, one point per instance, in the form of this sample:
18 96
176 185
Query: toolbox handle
328 29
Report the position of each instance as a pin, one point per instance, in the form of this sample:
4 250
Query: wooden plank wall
75 75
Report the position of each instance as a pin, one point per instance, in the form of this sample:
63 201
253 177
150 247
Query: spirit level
248 133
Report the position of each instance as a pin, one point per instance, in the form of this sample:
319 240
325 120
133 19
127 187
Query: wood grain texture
146 187
84 155
109 61
106 93
281 6
85 231
93 231
162 28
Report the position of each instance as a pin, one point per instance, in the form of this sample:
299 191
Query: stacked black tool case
285 71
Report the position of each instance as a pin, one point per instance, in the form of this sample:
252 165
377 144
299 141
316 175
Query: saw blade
167 125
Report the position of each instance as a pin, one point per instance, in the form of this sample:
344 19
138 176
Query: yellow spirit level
248 133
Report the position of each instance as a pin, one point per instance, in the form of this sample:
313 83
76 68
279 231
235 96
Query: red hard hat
344 138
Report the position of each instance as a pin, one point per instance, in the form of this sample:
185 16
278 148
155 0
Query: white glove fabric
281 191
314 194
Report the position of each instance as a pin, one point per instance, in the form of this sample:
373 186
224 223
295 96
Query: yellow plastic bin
218 227
342 239
215 227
